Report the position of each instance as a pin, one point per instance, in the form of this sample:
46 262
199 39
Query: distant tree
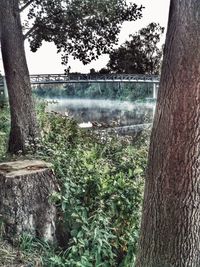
140 55
104 71
83 28
93 71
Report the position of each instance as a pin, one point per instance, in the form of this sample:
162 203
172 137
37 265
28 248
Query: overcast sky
46 60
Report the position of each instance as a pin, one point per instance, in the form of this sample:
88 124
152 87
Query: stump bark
25 188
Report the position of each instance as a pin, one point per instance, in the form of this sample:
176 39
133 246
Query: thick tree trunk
24 199
170 231
23 119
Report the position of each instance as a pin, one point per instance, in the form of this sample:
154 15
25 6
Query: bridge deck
91 78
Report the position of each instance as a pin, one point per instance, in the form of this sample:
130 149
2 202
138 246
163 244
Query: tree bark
23 119
170 229
24 199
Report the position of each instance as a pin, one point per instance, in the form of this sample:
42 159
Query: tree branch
25 5
28 33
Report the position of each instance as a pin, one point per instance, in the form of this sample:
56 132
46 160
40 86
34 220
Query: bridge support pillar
155 90
3 91
5 87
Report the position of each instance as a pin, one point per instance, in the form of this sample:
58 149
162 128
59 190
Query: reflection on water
109 112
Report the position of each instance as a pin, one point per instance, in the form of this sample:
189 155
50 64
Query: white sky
46 60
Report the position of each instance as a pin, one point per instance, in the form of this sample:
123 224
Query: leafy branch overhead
83 28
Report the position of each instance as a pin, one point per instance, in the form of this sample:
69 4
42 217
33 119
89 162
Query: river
104 112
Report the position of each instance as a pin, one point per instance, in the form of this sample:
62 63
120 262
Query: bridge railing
67 78
55 78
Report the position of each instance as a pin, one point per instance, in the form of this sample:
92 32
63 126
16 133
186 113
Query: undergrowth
100 198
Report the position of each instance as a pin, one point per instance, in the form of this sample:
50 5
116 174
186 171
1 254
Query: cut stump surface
25 188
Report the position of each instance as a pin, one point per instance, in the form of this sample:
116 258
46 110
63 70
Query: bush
100 198
102 187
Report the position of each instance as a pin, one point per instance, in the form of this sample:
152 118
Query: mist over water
122 113
62 103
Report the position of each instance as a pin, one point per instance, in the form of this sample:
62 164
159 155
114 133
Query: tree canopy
141 54
83 28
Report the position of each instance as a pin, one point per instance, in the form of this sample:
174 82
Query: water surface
108 112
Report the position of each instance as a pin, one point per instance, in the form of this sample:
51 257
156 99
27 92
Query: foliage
118 91
83 28
100 198
140 54
101 195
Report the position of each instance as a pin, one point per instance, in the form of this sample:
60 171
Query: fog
106 112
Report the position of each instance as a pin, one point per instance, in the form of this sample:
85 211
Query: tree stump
25 188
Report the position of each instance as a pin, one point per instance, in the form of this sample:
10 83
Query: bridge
92 78
88 78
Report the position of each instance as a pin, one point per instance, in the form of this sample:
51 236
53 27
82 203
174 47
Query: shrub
100 199
102 187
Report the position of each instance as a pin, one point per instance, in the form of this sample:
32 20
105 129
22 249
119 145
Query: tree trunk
23 119
170 230
24 199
